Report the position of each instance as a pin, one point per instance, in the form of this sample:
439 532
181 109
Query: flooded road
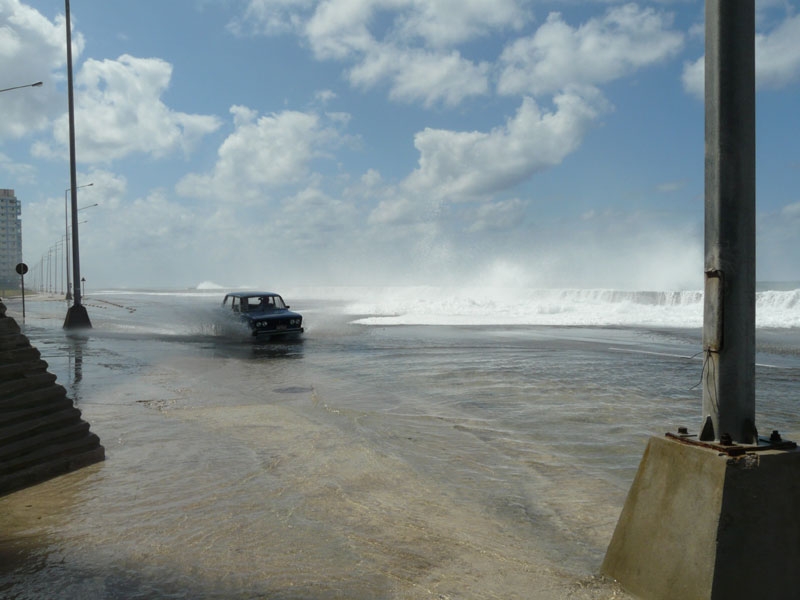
359 462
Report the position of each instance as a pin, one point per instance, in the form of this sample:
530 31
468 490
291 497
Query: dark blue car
264 312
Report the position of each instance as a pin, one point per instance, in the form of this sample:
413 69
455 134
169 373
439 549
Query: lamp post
66 230
19 87
77 317
729 315
65 278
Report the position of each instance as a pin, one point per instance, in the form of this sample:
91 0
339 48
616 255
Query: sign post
21 269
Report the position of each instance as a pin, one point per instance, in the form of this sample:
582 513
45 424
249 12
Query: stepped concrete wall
42 434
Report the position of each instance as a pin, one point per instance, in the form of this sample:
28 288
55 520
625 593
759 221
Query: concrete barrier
42 434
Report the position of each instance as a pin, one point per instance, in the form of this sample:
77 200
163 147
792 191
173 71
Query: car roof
249 294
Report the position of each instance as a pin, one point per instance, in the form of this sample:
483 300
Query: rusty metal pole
730 232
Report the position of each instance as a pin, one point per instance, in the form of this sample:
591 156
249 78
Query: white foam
443 305
432 305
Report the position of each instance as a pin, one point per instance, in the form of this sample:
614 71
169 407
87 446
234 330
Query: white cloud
336 27
416 75
264 153
270 17
693 77
22 172
399 211
44 221
32 49
626 38
671 186
409 44
149 239
791 210
324 96
312 210
339 28
778 244
444 23
462 165
777 60
778 55
119 112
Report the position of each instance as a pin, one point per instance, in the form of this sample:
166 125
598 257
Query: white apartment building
10 239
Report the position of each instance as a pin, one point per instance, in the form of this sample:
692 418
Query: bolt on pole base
77 318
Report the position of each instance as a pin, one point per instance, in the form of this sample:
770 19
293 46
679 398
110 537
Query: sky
497 143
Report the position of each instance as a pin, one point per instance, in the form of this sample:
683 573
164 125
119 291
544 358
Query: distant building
10 239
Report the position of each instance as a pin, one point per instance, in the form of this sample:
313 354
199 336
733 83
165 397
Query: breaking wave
566 307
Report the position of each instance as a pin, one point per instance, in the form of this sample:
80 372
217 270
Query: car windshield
262 303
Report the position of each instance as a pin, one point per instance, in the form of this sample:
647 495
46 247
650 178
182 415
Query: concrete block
700 525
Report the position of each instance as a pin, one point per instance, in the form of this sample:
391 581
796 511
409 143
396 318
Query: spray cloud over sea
777 305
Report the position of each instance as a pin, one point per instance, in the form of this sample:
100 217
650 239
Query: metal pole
66 233
66 229
22 284
19 87
730 249
76 314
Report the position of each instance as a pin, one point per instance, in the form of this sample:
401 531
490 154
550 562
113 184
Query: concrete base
77 318
700 525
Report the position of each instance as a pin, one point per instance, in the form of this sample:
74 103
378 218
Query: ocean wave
441 305
566 307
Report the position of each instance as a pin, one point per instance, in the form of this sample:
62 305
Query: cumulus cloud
264 153
415 75
626 38
44 218
313 210
462 165
693 77
443 23
437 22
152 238
415 55
396 211
32 49
270 17
778 55
777 60
22 172
119 112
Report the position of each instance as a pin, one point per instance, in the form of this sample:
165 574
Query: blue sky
379 142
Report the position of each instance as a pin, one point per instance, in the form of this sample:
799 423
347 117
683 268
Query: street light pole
729 317
19 87
66 230
77 317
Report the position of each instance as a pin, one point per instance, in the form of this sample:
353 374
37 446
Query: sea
413 442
